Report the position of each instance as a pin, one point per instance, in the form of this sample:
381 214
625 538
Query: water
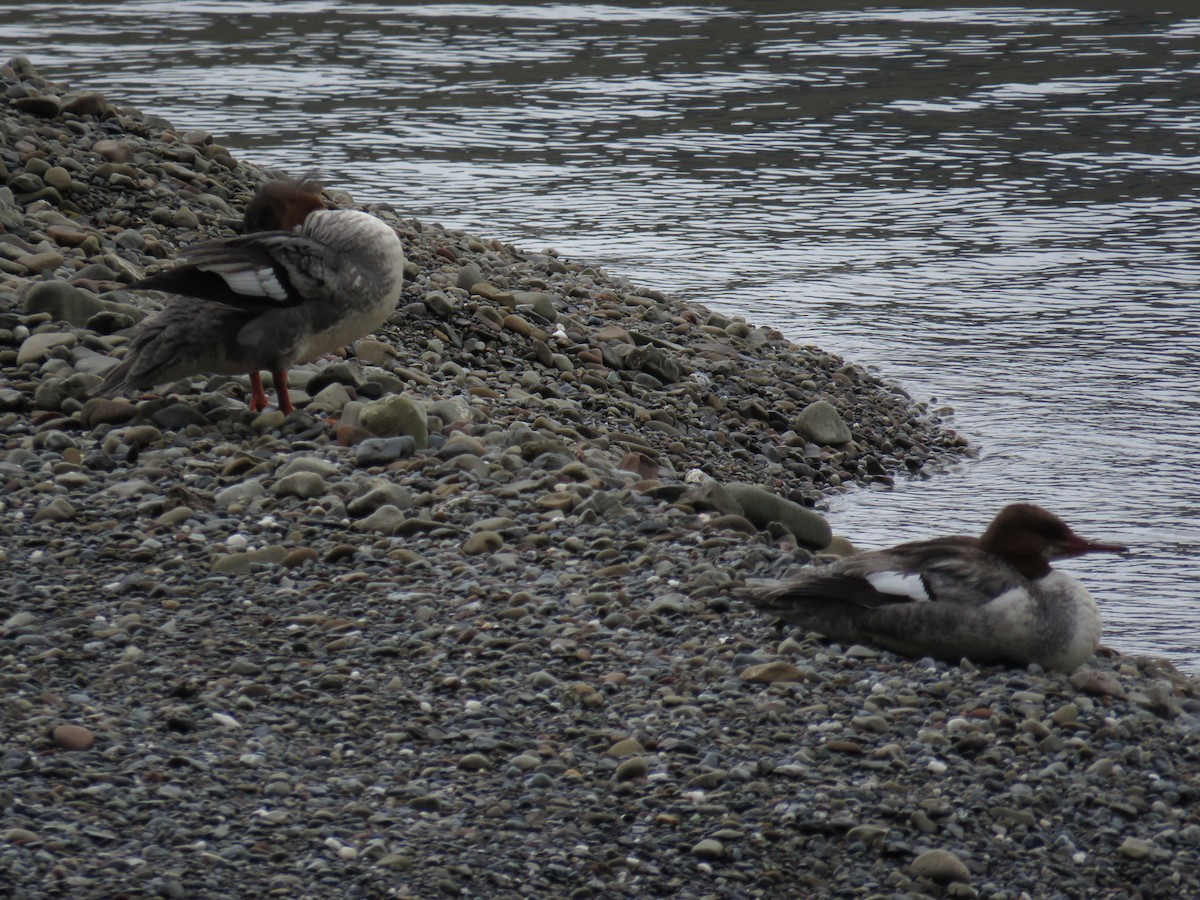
992 206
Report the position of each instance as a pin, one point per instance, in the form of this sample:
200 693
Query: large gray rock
821 423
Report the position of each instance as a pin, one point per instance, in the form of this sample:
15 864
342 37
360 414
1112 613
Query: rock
46 261
940 866
313 464
45 106
63 301
711 495
772 673
37 347
89 103
60 179
1097 683
57 510
397 415
73 737
655 362
103 411
627 747
299 557
839 547
709 848
333 397
306 485
381 451
1135 848
451 410
241 563
473 762
468 275
632 769
821 423
240 493
374 353
177 416
113 151
482 542
762 507
388 519
383 494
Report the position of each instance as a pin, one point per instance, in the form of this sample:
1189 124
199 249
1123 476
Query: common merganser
991 599
316 280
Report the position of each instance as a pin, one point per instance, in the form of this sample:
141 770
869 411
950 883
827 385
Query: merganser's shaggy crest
991 599
268 300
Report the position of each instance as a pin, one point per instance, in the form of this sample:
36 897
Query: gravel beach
464 624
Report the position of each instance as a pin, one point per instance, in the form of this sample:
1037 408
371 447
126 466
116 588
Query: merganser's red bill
1078 546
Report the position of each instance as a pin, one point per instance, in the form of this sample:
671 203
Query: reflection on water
992 206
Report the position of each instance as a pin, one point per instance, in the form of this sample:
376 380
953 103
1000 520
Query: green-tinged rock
762 507
940 866
37 347
777 672
322 467
382 494
305 485
711 495
840 546
238 563
397 416
821 423
63 301
57 510
386 520
482 542
654 362
240 493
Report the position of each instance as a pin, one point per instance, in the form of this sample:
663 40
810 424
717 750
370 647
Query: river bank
464 623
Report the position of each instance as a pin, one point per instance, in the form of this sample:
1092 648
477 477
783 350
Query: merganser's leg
258 396
281 390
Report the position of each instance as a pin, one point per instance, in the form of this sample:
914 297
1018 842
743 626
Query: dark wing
266 270
950 570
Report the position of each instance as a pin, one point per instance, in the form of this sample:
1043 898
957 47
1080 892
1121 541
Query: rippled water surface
993 206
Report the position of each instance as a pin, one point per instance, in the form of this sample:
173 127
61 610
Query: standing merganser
271 299
991 599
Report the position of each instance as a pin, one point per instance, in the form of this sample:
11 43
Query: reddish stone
73 737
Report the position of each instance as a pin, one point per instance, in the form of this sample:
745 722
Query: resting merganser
991 599
317 279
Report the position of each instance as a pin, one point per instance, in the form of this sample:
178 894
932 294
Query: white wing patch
253 282
901 584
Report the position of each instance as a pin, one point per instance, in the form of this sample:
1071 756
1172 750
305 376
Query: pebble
941 866
300 484
37 347
382 451
633 768
73 737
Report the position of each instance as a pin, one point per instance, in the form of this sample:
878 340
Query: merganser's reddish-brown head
1028 537
282 205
